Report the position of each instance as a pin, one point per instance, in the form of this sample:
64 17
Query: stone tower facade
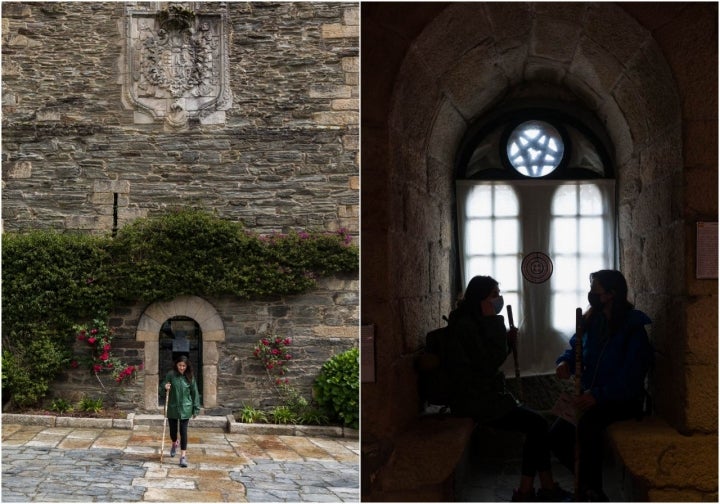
114 111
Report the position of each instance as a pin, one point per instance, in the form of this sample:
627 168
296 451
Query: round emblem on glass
535 149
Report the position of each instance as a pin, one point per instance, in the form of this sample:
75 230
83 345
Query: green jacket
184 400
478 348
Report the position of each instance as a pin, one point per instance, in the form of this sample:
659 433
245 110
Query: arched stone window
536 182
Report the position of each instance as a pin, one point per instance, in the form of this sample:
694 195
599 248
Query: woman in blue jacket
616 358
183 403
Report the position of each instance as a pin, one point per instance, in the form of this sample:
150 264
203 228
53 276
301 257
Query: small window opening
115 215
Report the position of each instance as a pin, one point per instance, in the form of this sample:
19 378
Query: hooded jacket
478 347
614 365
184 400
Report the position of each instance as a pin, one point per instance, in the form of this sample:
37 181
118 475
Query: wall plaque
175 64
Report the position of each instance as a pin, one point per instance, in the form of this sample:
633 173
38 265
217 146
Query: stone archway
213 331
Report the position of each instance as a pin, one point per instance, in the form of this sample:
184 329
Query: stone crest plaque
175 64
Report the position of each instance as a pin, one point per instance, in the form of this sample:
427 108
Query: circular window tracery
535 148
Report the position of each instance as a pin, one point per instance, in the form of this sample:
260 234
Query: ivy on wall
53 280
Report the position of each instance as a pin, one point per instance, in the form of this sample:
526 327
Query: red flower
74 364
105 356
107 347
91 341
93 331
287 341
288 356
97 368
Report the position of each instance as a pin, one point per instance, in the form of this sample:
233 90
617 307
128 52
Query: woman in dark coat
478 347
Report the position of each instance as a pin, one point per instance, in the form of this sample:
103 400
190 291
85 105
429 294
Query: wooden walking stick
515 356
578 393
162 448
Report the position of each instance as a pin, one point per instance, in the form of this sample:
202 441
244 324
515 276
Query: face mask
594 300
498 304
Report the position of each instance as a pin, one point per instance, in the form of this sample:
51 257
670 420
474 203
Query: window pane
478 234
479 202
565 274
565 201
590 264
591 234
478 265
563 309
564 236
506 269
591 202
506 203
506 236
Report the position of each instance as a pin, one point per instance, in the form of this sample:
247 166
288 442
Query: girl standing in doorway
184 402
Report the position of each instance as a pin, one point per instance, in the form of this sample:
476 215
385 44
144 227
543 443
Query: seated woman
479 344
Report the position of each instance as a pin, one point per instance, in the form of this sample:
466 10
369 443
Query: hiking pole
578 393
162 448
515 356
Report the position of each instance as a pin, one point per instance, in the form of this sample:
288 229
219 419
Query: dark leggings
536 450
183 431
590 432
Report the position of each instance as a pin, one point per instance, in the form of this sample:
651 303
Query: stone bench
423 461
657 463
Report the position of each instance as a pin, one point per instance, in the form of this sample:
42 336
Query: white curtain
572 222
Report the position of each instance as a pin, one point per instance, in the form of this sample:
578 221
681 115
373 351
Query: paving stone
51 464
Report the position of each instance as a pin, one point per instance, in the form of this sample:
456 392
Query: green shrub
337 388
283 415
91 405
52 281
61 406
312 416
194 252
248 414
28 369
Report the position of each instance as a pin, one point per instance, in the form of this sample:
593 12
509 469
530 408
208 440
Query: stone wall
321 324
285 157
279 152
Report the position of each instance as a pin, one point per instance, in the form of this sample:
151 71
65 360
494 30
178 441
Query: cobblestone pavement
67 464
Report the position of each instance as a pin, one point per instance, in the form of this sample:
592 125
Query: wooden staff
578 393
515 356
162 447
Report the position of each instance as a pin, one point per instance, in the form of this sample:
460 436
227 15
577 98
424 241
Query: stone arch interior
180 336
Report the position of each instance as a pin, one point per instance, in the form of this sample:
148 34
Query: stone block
84 423
214 335
336 30
43 420
211 356
660 457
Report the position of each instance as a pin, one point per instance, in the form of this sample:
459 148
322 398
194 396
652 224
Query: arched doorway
185 311
180 336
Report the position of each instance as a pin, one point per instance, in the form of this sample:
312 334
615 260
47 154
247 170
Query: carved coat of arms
175 65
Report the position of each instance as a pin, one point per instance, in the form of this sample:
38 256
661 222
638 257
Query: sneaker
523 497
555 494
173 449
183 461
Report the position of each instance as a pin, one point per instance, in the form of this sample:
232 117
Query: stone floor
63 464
492 471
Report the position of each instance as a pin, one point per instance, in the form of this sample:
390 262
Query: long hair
613 282
188 370
478 289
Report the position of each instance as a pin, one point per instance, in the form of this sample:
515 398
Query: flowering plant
274 355
98 337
